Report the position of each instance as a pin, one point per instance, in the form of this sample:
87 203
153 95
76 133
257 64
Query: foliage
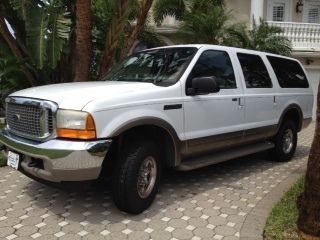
281 223
103 12
163 8
179 8
262 37
207 21
47 26
207 27
11 76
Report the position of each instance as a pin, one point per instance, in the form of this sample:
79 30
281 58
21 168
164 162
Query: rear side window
289 73
217 64
255 72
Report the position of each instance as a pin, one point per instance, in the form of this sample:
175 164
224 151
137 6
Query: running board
199 162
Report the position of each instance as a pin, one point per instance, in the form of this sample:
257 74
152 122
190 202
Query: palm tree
83 42
179 8
309 201
262 37
122 35
202 21
113 35
144 8
210 26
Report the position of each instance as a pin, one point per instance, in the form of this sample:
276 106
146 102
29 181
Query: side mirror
203 86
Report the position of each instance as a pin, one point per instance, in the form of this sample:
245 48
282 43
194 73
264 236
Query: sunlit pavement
211 203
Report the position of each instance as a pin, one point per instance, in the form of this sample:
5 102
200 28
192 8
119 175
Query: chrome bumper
62 160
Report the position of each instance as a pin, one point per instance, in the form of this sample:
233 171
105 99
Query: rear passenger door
259 92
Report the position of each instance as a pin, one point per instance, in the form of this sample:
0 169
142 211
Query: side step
203 161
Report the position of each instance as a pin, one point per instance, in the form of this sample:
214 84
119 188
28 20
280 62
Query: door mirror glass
203 86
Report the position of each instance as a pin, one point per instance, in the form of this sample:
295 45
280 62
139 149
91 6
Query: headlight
75 124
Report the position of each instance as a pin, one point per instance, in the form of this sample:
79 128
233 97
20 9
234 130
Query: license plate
13 160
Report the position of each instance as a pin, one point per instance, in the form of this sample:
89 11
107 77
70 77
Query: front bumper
61 160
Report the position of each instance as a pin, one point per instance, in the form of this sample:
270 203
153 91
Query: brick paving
210 203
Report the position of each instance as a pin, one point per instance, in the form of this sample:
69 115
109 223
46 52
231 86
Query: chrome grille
30 119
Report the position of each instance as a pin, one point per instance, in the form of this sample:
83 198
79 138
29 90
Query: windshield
159 66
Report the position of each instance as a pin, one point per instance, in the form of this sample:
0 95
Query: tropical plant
202 21
83 41
309 201
114 35
180 8
261 37
91 35
209 26
40 33
207 21
115 41
47 27
144 7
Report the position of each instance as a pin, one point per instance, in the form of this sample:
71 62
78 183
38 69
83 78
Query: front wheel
285 142
137 177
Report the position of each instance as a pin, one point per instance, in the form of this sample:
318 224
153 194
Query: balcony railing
303 36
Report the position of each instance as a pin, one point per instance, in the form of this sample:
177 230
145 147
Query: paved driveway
211 203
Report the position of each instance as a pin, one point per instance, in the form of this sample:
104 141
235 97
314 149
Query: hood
77 95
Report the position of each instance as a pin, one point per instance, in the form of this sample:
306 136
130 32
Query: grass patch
281 223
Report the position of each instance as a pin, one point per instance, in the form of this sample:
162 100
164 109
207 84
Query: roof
221 47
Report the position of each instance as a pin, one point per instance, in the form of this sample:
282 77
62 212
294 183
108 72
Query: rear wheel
137 176
285 142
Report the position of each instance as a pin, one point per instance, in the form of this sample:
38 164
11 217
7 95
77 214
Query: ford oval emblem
16 117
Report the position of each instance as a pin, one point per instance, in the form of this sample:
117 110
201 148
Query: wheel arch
294 112
157 129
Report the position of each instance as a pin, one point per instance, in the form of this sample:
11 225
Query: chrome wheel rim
287 141
147 177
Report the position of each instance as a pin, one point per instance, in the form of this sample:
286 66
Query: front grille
29 120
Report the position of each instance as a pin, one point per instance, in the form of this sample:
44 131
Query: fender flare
292 106
157 122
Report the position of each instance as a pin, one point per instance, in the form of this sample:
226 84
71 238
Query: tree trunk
17 52
113 36
145 6
309 202
83 43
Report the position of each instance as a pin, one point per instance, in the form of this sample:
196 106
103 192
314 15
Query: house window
312 12
279 10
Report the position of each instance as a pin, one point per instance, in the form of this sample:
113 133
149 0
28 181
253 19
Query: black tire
282 152
126 176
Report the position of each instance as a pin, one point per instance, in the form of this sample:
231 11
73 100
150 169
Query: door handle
241 102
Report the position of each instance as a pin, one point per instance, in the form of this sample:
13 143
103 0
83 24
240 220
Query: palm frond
267 38
164 8
206 27
59 26
22 7
36 28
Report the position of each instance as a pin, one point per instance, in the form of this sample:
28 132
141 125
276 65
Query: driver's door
214 121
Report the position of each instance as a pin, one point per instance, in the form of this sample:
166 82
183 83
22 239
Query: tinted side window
289 73
215 64
255 72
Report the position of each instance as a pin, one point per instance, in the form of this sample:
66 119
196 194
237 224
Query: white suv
181 107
